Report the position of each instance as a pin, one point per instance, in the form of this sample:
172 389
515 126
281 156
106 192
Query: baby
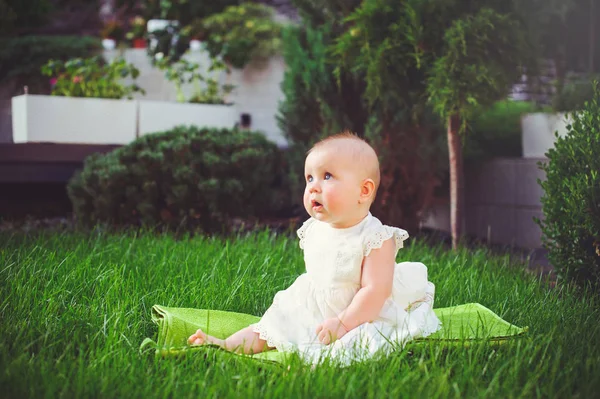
352 291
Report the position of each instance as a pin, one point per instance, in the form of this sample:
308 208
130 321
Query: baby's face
333 187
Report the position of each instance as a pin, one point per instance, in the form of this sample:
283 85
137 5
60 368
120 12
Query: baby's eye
309 178
327 176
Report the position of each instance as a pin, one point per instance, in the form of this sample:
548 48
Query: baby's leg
245 341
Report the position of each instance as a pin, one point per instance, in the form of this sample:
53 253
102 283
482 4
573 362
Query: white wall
538 132
502 197
58 119
257 90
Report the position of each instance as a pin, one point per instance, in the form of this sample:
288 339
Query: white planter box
158 116
73 120
538 132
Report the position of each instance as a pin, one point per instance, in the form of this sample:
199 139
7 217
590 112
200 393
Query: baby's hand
331 330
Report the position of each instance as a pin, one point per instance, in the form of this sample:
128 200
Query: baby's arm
376 287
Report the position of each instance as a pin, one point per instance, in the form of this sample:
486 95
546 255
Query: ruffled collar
348 230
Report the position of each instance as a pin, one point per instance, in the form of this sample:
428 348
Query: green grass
74 309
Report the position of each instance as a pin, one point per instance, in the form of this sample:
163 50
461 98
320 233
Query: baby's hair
345 135
363 151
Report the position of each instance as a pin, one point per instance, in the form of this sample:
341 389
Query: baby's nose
314 187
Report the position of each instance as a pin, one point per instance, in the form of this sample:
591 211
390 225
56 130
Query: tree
313 108
313 105
452 55
481 58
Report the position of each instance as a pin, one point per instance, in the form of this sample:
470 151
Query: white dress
333 259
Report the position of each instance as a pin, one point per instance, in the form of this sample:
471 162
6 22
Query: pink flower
77 79
53 81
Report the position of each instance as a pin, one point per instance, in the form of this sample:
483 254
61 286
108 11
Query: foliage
481 58
412 160
22 58
186 23
452 56
113 29
310 89
463 52
571 200
90 77
137 29
546 22
319 12
206 88
243 33
18 15
313 106
376 47
300 115
169 44
324 95
184 11
572 95
188 178
495 131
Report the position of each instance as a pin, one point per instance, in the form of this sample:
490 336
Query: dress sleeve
303 230
376 237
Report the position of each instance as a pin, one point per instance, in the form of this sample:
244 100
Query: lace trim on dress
376 238
265 336
302 231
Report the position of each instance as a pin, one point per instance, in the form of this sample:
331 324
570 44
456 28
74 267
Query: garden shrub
571 200
92 77
244 33
313 106
496 131
574 93
183 11
187 178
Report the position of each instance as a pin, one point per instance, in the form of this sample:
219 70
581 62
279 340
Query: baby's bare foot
198 338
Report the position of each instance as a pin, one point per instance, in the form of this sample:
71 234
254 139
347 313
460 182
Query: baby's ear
367 190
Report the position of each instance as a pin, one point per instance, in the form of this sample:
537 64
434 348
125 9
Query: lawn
75 308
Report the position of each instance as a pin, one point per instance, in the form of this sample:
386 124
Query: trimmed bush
189 178
496 131
574 93
571 200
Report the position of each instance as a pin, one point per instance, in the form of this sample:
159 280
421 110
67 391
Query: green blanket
460 324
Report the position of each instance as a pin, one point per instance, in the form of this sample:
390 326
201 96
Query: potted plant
165 40
137 32
539 129
86 105
111 33
206 89
206 106
242 34
196 32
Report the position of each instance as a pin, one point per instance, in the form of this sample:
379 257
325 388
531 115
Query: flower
77 79
53 81
138 20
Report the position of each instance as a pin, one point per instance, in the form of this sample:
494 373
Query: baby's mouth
316 205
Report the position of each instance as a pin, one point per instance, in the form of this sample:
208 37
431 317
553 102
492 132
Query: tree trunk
456 180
